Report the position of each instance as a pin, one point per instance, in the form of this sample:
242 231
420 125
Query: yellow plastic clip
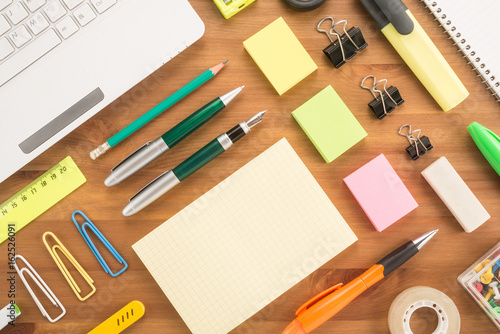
489 294
64 270
481 265
487 276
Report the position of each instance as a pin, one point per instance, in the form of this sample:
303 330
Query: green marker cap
488 143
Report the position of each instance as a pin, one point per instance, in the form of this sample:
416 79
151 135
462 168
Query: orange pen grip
321 310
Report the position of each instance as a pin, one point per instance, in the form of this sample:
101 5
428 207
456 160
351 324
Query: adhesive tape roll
417 297
304 5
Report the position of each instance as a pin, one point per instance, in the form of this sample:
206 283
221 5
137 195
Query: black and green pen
152 150
166 181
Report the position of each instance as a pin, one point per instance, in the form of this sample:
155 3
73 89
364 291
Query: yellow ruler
39 196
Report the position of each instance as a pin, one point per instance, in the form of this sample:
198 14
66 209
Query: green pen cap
488 143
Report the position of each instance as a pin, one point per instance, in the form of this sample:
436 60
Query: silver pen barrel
136 161
151 192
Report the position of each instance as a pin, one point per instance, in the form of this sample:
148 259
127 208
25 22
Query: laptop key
4 25
72 3
37 23
27 56
55 11
16 13
4 3
33 5
67 27
5 48
84 15
102 5
20 36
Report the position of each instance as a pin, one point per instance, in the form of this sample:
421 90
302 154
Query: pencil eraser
455 194
380 193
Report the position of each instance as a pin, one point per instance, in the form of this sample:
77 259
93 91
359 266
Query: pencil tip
218 67
225 62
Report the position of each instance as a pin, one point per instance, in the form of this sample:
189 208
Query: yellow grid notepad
280 56
245 242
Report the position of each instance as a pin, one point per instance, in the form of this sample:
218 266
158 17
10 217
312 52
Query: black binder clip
418 145
347 44
387 100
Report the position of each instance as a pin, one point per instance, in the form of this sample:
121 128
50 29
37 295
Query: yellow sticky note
280 56
329 124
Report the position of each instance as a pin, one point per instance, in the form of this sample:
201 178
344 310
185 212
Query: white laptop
62 61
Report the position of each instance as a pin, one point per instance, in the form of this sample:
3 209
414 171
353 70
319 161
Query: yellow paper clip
64 270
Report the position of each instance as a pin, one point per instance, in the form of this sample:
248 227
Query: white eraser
457 196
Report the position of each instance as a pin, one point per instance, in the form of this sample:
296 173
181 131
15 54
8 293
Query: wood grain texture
437 266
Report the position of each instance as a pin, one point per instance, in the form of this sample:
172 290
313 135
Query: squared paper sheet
329 124
381 193
280 56
245 242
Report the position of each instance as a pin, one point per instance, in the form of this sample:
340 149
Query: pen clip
147 185
130 155
317 298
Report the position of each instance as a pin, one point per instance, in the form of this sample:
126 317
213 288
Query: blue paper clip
103 240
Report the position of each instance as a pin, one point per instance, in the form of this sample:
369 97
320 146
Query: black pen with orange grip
328 303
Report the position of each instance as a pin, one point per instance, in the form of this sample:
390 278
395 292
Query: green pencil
151 114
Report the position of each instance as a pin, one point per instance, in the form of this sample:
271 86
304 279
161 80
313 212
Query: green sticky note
280 56
329 124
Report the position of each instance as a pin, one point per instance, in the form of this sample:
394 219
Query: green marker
152 150
488 143
151 114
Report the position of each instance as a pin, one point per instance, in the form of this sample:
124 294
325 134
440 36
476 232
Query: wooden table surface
437 265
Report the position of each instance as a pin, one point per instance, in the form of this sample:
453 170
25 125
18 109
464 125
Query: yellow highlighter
416 48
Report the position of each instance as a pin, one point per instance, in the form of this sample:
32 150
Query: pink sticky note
380 192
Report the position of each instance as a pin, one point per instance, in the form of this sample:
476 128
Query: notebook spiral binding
464 48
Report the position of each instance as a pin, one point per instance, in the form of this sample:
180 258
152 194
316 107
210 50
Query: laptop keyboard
29 29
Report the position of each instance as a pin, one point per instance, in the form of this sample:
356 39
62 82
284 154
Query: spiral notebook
245 242
473 25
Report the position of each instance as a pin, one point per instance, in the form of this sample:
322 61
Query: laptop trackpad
46 100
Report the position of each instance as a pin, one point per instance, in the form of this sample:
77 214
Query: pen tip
262 113
422 240
256 119
228 97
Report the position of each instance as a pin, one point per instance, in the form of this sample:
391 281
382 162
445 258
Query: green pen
152 150
488 143
166 181
151 114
